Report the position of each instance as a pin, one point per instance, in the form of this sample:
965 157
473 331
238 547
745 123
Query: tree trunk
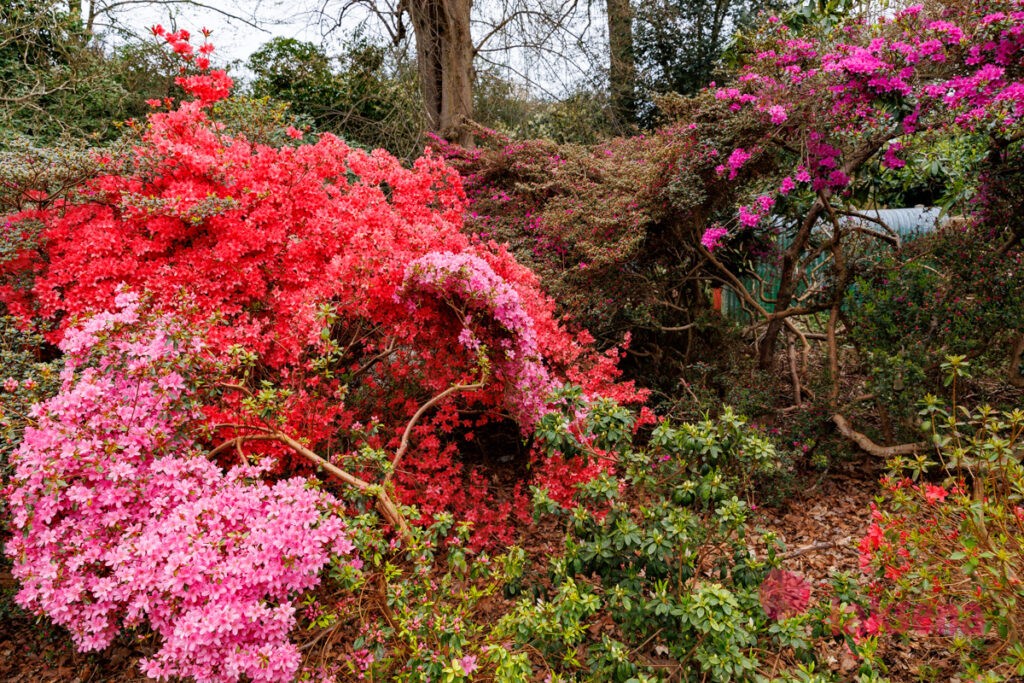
622 65
789 275
789 278
444 52
1015 355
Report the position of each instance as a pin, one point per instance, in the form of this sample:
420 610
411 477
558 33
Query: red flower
784 593
934 494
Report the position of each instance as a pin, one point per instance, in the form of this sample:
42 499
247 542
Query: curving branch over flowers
494 325
296 259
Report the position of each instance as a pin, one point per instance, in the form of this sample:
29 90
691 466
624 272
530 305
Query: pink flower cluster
712 238
750 216
489 307
737 158
118 518
890 160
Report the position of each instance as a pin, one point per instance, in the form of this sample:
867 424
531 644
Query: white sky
233 39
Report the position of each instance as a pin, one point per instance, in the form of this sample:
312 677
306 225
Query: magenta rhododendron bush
121 519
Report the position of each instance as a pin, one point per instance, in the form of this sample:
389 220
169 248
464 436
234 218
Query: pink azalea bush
119 519
482 298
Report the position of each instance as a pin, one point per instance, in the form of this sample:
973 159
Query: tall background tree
621 60
545 44
678 43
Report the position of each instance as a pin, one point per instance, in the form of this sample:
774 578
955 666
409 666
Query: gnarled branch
869 446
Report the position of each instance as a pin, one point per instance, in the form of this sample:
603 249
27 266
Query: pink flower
11 384
736 160
748 217
712 238
467 664
787 186
911 11
838 179
890 160
765 203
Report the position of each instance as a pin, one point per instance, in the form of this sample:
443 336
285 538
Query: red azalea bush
945 558
306 256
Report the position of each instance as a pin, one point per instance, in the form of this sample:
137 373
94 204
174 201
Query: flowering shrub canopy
341 278
120 519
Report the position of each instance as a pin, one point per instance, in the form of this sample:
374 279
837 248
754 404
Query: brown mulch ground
819 527
30 653
821 523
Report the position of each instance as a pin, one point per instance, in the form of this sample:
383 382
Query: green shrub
657 580
417 609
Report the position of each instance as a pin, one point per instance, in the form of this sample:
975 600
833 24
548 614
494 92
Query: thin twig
404 444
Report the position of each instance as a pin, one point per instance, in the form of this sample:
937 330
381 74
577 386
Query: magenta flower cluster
712 237
119 519
737 158
907 58
488 305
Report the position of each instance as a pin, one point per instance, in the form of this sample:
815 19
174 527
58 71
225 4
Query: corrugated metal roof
908 222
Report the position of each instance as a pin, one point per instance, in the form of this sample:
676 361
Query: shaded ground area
821 524
819 527
31 653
